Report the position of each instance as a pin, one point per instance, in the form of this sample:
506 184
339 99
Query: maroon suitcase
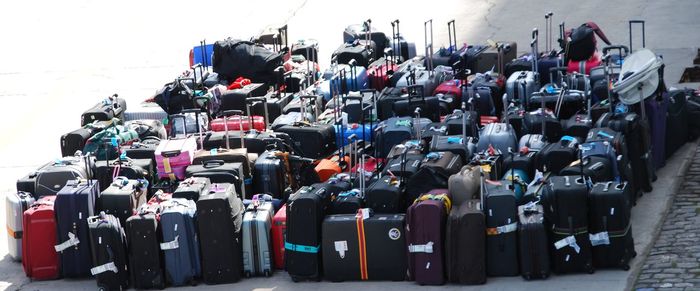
425 230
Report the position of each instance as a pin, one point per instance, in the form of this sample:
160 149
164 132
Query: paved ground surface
674 261
60 56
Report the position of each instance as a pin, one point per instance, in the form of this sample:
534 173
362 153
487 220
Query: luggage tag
601 238
72 241
341 247
568 241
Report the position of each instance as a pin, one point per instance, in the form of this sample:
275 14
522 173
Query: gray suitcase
15 205
464 186
145 110
500 135
514 83
257 246
180 242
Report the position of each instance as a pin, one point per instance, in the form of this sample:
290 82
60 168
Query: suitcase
173 156
488 59
257 244
533 249
386 195
422 76
144 149
597 168
564 103
500 207
565 201
106 171
347 202
524 160
188 122
192 188
391 132
577 126
270 174
532 125
73 205
16 203
275 102
109 255
433 173
147 128
556 156
279 232
465 243
414 101
402 50
464 186
341 79
241 121
235 99
610 226
500 136
515 88
239 155
311 141
180 243
122 198
109 108
255 142
360 51
637 134
221 172
657 111
364 246
365 31
379 72
75 140
677 123
585 66
39 258
425 232
219 220
51 178
145 257
145 110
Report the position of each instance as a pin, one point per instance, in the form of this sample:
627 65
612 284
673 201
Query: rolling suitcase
108 252
274 102
257 243
464 186
425 232
360 51
219 219
270 174
500 136
220 172
145 257
144 149
596 168
465 243
147 128
73 205
305 212
180 244
109 108
364 246
279 230
145 110
76 139
235 99
192 188
39 258
311 141
122 198
16 203
657 112
386 195
533 249
107 171
52 177
433 173
500 207
391 132
556 156
677 121
610 225
174 155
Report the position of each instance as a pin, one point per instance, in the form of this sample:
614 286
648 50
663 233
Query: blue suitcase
74 204
180 243
343 78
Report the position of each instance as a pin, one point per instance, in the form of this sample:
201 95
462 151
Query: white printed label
427 266
341 247
612 211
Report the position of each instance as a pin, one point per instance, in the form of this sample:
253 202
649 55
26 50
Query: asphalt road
59 57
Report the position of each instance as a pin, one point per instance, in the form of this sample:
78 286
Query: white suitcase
15 205
257 245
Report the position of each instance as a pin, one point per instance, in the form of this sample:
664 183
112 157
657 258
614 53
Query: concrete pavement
61 56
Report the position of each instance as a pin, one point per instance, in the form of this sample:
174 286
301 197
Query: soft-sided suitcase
565 201
597 168
257 243
532 236
391 132
145 110
500 207
16 203
147 128
145 257
52 177
180 244
108 252
192 188
386 195
433 173
108 108
359 51
677 121
364 246
311 141
73 205
220 172
39 258
425 234
610 226
235 99
464 186
270 174
122 198
636 131
305 212
556 156
279 232
465 244
219 219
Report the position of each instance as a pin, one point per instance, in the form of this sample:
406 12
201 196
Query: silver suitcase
499 135
15 205
257 245
145 110
516 90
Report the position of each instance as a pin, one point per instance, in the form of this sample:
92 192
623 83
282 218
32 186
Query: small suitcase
425 232
122 198
75 140
305 212
533 249
16 203
556 156
180 243
359 51
279 232
501 230
109 108
145 256
270 174
610 225
108 252
192 188
465 244
386 195
433 173
52 177
73 205
257 244
39 258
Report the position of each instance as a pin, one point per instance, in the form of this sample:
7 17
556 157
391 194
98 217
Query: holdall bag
73 205
39 258
16 203
235 58
582 41
108 252
51 178
180 245
425 232
109 108
532 235
257 244
465 243
610 225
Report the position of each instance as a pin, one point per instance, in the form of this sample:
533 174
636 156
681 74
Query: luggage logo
394 234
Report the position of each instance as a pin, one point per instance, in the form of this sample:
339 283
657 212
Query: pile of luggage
461 164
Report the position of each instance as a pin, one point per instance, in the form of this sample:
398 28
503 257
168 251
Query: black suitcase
565 200
524 161
109 256
491 164
75 140
433 173
219 220
403 166
275 102
356 50
457 144
371 248
532 124
455 123
558 155
466 244
577 126
145 257
144 149
598 169
347 202
220 172
501 226
677 131
255 141
610 225
533 249
311 141
109 108
386 195
147 128
192 188
306 210
270 175
131 169
235 99
122 197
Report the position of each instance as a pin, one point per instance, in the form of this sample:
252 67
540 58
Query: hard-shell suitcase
145 257
305 212
240 121
565 201
52 177
523 160
235 99
312 141
532 124
257 243
108 252
391 132
39 258
433 173
598 169
464 186
147 128
16 203
73 205
386 195
275 101
219 219
515 88
173 156
279 232
500 207
532 236
108 108
192 188
270 175
180 244
364 246
145 110
500 136
425 234
122 198
610 226
637 134
359 51
465 243
220 172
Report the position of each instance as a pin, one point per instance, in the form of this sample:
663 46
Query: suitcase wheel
527 277
247 274
267 273
295 279
626 267
590 269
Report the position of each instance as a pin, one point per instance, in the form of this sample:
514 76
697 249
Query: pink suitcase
173 156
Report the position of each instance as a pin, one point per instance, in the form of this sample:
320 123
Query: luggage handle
642 22
395 40
251 101
170 154
559 71
451 36
184 123
548 19
428 45
533 45
620 49
212 164
229 113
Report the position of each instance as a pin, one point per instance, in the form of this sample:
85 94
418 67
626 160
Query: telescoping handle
251 101
548 18
533 45
631 22
452 36
428 45
230 113
395 39
313 101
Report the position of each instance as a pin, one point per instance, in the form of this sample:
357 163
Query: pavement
59 57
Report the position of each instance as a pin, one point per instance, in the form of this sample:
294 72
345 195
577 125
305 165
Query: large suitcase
73 205
677 123
500 207
219 219
565 200
180 243
122 198
465 243
312 141
464 186
364 246
108 108
279 232
500 136
270 175
52 177
16 203
145 257
425 234
610 225
556 156
391 132
134 169
359 51
657 114
192 188
39 258
386 195
220 172
637 134
533 249
76 139
433 173
108 252
257 243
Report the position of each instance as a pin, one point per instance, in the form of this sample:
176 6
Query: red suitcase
39 257
451 87
234 123
279 228
379 73
586 66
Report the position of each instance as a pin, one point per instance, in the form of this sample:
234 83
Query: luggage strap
14 234
511 227
360 217
439 197
104 268
72 241
568 241
168 169
171 245
426 248
301 248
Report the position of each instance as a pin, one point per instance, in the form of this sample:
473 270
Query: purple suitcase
425 230
656 110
